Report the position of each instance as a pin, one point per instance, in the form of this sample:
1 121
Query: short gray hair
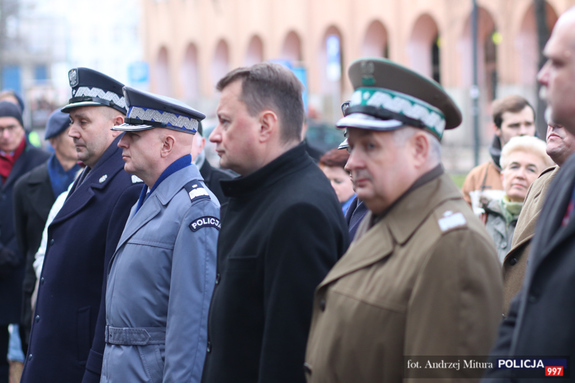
402 134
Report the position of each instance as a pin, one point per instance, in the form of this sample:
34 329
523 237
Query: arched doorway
423 48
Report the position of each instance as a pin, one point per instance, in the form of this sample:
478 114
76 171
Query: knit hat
8 109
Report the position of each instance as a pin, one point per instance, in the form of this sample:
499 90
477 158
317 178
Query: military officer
67 337
421 277
162 274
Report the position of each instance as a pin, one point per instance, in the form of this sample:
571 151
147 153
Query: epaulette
451 220
196 191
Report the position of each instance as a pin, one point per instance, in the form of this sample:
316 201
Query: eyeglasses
9 129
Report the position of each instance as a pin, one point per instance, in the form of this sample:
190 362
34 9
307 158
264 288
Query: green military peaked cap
388 96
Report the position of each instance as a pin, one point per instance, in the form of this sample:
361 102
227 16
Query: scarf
510 209
7 160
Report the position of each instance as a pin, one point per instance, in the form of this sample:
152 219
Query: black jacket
541 317
212 177
11 275
281 233
33 198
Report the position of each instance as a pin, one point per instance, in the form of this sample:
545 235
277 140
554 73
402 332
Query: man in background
17 157
512 116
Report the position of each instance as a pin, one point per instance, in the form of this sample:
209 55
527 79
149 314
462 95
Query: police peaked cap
92 88
388 96
148 111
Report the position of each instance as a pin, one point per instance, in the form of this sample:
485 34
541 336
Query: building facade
191 44
40 41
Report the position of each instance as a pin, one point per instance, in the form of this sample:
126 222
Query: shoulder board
136 179
196 191
451 220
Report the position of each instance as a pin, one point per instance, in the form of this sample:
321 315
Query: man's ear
118 120
497 131
420 148
268 125
167 146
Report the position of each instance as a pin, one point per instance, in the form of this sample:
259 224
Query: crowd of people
126 257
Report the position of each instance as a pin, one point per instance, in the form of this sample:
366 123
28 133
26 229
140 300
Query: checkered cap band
166 118
402 105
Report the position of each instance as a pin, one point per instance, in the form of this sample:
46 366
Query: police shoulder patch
451 220
207 221
196 190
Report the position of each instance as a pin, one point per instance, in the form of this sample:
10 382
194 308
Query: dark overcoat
541 317
281 233
212 177
81 240
11 277
33 198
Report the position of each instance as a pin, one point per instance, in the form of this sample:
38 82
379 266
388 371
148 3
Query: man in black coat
281 233
67 338
540 323
17 157
34 195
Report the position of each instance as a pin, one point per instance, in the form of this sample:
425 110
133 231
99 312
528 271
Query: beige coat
486 176
515 261
425 280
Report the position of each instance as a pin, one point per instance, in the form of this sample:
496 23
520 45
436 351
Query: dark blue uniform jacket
81 240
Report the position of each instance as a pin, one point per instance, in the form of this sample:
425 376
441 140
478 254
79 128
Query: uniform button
52 241
322 304
513 261
42 280
37 319
218 278
209 348
30 357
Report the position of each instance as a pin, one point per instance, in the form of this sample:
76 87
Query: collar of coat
398 225
291 161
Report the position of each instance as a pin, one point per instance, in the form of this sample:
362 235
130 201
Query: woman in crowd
523 158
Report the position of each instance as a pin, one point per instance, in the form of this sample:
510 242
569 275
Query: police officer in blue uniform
162 274
67 337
